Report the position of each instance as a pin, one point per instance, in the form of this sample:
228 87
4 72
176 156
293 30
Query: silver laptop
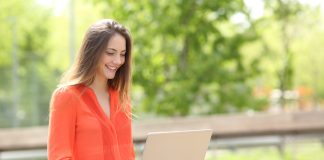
177 145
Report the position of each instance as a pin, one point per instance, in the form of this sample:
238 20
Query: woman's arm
62 125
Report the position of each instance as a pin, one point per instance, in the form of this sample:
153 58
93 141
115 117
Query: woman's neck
99 85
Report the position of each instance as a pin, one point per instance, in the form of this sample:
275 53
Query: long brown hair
94 43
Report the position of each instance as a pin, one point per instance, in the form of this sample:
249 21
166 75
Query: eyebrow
116 50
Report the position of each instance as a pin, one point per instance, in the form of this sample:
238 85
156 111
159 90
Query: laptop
177 145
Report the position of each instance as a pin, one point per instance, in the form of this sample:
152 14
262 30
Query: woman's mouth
111 68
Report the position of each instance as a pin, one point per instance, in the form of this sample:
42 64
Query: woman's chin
110 76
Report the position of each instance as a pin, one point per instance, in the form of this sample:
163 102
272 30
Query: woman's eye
109 53
123 55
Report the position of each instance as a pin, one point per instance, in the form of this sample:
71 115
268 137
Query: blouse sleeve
132 152
62 125
126 140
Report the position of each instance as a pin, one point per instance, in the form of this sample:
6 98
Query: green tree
188 61
25 89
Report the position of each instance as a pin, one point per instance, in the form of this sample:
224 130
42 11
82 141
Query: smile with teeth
111 68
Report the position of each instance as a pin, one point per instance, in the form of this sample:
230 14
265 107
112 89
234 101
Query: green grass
292 151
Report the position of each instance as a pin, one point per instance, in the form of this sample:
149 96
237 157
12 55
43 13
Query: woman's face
112 58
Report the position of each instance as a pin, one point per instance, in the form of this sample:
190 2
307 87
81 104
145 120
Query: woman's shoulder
69 91
65 96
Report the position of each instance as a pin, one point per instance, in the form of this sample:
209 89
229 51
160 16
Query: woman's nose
117 59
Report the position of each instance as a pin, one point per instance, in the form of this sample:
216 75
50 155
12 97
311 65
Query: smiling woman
90 112
113 58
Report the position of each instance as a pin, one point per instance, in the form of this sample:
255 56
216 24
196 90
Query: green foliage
26 34
190 57
183 50
295 150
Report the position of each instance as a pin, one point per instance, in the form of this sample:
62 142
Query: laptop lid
177 145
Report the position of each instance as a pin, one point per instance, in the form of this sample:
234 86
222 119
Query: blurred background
192 58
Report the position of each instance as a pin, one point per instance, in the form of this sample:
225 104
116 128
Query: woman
90 112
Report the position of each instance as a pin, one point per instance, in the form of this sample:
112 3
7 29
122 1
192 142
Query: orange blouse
80 130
